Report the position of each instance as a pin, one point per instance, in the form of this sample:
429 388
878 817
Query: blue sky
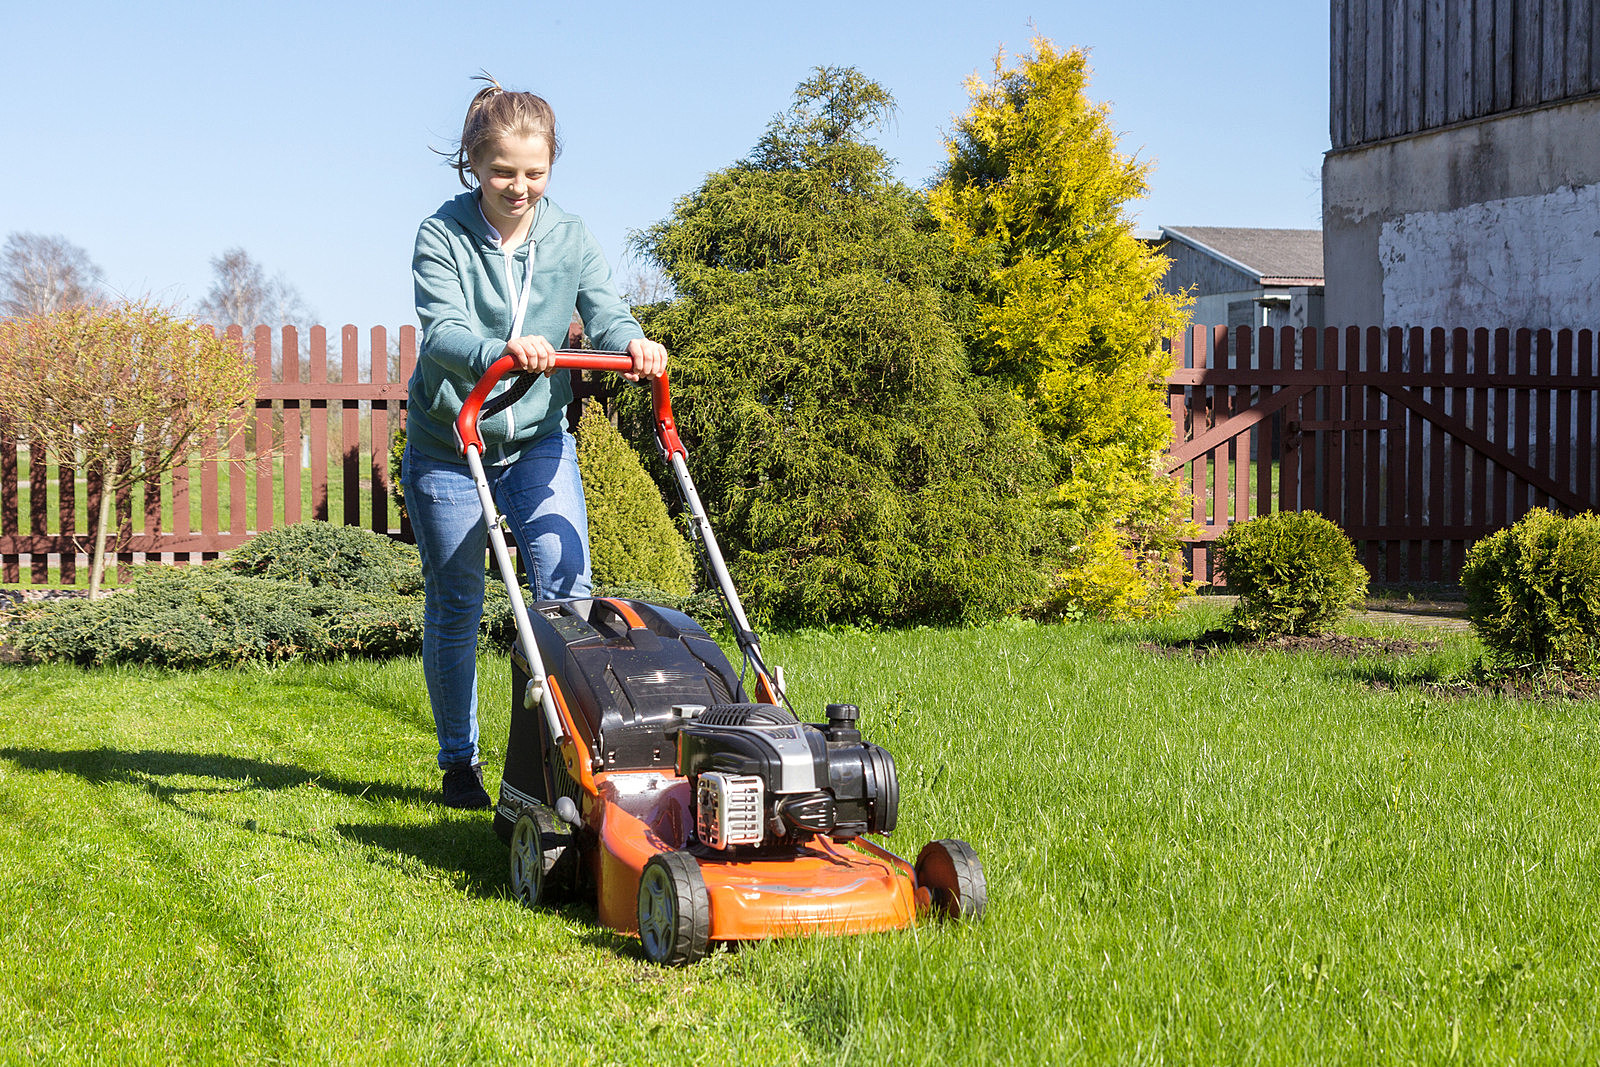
155 135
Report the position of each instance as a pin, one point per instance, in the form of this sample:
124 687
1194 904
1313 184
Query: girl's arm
607 317
448 336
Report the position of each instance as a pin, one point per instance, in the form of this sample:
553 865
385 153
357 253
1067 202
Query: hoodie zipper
521 312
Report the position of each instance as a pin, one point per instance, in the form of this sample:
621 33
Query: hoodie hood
465 211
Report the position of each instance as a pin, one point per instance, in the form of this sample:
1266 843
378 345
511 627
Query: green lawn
1246 858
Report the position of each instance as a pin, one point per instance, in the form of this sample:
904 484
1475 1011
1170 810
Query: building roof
1275 257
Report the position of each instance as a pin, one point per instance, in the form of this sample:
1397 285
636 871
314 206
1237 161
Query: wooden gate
1416 442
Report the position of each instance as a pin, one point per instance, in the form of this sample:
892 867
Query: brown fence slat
1437 455
1199 483
264 445
39 510
408 364
11 569
319 424
379 424
1543 361
180 507
1563 413
1522 496
1500 418
66 517
1453 461
1270 434
1584 430
1394 459
121 523
1480 480
350 431
1239 449
292 437
1289 436
153 493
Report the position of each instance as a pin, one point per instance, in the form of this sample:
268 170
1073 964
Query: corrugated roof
1277 257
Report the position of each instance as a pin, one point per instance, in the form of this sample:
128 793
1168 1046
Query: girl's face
512 174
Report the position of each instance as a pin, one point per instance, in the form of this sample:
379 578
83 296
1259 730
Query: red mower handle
568 359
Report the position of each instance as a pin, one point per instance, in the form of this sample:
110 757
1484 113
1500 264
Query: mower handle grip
570 359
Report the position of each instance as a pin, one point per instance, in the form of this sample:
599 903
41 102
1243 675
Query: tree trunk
108 504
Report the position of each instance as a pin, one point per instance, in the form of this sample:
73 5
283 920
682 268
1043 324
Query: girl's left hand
649 359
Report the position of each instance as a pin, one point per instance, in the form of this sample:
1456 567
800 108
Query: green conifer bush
853 468
1064 305
1294 572
1533 591
632 539
207 616
326 554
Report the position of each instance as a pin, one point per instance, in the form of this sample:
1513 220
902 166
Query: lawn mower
685 799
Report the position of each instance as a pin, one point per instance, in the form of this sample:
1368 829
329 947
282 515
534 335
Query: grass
1246 858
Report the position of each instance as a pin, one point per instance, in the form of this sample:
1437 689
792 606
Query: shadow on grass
105 766
466 851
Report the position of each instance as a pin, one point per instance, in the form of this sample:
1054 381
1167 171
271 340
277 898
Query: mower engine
761 777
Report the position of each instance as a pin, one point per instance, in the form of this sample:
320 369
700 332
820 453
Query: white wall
1531 261
1494 222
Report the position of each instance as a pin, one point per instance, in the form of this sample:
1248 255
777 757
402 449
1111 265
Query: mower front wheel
674 910
950 871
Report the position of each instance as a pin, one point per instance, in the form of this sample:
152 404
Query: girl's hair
495 113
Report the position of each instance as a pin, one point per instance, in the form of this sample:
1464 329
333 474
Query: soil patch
1213 641
1542 684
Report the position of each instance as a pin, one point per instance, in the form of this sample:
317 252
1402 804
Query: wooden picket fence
315 446
1416 442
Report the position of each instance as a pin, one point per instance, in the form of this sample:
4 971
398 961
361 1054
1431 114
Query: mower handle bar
471 444
467 435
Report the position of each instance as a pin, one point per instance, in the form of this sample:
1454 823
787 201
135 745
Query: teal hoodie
459 271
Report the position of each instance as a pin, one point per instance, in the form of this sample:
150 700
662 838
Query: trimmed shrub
1533 591
1294 571
209 617
322 554
397 456
632 539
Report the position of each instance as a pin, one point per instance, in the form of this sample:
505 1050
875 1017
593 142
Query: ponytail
494 114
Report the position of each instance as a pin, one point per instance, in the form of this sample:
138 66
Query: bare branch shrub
131 389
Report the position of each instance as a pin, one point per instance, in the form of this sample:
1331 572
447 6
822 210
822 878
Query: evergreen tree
1069 312
853 468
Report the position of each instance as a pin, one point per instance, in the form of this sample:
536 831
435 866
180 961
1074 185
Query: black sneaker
463 787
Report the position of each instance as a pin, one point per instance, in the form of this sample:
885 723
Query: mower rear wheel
527 861
674 910
950 871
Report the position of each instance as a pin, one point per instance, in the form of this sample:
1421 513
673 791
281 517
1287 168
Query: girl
498 271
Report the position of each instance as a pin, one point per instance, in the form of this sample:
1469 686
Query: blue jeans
541 497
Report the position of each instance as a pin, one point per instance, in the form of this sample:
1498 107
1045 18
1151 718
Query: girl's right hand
534 354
